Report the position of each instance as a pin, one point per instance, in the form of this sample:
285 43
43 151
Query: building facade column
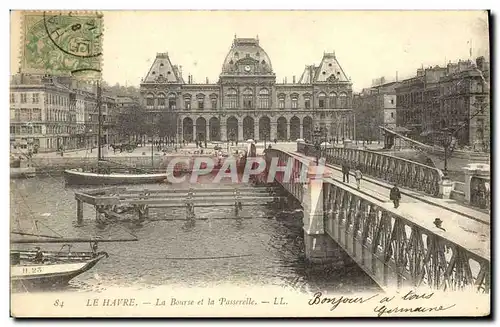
223 130
207 131
273 126
194 136
301 131
240 130
256 130
179 131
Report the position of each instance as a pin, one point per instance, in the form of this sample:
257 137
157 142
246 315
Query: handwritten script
410 302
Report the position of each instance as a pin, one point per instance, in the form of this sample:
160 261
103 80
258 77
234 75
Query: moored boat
75 177
22 172
55 269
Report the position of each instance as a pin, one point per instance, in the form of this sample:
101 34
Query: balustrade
392 249
405 173
396 251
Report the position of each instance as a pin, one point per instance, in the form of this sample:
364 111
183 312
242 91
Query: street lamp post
448 138
152 136
317 146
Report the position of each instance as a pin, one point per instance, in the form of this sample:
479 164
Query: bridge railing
395 250
405 173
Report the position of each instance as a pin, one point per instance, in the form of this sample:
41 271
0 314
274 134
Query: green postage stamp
67 43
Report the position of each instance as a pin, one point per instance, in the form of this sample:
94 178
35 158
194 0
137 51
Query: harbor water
260 247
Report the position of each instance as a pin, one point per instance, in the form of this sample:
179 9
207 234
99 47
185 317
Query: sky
368 44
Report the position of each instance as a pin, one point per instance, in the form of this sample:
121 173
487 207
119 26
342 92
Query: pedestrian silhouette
358 175
345 171
395 196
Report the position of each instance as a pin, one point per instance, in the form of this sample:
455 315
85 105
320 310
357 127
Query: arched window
333 100
213 100
187 101
232 98
307 101
150 100
247 99
281 100
343 100
201 100
161 100
295 100
172 101
321 100
264 98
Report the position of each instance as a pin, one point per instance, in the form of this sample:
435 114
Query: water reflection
257 247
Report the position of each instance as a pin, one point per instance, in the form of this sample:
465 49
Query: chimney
293 79
206 80
480 63
285 80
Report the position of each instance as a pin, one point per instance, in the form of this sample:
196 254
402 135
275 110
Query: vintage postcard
250 164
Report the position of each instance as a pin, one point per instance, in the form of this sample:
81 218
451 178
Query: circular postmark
75 34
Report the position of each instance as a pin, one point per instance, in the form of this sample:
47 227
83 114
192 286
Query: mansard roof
162 71
246 50
308 74
329 70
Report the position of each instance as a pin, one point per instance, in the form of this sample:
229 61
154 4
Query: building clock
248 68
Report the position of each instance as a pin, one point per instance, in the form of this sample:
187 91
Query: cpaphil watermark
238 170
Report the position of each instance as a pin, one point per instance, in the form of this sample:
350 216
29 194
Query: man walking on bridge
345 171
358 175
395 195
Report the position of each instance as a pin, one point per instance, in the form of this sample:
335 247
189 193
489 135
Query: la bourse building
247 103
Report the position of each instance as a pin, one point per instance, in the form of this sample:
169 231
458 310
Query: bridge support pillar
319 247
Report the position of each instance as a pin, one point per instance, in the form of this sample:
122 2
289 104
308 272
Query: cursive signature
388 310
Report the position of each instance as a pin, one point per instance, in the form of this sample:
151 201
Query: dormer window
236 54
153 73
330 65
257 54
231 62
324 73
161 65
169 72
263 62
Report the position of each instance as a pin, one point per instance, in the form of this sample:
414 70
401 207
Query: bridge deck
448 204
472 234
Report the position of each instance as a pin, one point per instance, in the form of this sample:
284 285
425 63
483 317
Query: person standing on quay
395 195
358 175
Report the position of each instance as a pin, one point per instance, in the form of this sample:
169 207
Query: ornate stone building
247 103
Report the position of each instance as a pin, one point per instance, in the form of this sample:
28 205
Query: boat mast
99 119
71 240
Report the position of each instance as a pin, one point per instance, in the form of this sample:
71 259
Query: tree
167 125
132 122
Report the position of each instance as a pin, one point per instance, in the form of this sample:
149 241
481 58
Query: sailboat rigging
37 268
